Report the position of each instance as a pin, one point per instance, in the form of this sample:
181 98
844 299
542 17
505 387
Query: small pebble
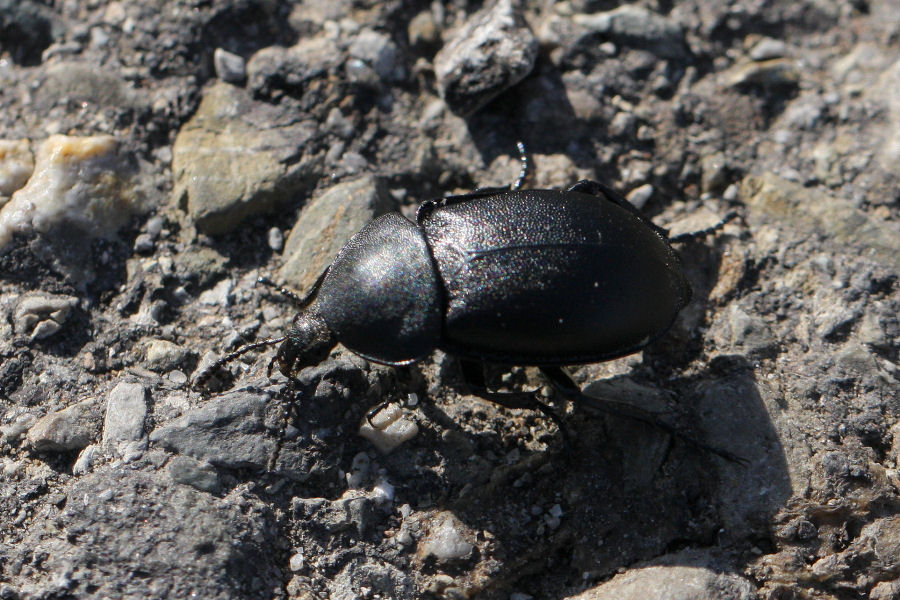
359 470
384 490
275 238
445 540
640 195
296 563
767 49
229 67
86 459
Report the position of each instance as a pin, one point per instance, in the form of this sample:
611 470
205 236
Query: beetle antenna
694 236
524 168
205 374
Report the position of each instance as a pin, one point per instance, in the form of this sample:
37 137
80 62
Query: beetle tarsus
294 297
287 293
370 414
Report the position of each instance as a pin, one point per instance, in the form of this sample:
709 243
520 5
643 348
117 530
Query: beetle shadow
627 492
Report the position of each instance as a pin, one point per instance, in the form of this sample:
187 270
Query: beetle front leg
473 375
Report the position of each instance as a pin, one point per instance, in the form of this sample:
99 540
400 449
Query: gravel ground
156 158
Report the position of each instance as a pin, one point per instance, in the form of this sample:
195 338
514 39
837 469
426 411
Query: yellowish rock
80 182
16 165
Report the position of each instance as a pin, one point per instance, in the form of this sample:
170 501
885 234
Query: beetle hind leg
564 384
473 374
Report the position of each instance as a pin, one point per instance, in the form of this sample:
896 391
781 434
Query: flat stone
229 432
813 211
126 410
671 582
79 183
62 431
130 521
635 26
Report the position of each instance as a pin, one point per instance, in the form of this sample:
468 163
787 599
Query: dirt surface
155 158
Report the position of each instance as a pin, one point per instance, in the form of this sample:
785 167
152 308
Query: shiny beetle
525 277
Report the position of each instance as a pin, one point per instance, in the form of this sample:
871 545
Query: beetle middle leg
564 384
473 375
427 207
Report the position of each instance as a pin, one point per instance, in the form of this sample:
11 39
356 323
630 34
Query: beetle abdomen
381 296
548 277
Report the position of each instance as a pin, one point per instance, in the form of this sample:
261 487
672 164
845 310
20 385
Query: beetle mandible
517 276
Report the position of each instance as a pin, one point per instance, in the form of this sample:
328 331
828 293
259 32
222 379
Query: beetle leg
289 294
403 374
375 410
473 374
370 414
523 171
564 384
692 236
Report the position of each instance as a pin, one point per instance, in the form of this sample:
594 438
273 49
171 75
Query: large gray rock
229 431
126 410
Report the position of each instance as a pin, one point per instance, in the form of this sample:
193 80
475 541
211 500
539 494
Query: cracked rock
63 431
41 315
494 50
229 431
126 410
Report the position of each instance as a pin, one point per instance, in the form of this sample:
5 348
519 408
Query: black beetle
526 277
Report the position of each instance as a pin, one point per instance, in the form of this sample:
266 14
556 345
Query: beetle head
307 343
